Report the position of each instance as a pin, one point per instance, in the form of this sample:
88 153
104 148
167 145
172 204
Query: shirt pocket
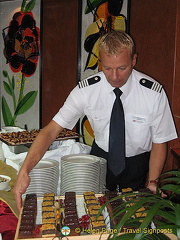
137 127
99 119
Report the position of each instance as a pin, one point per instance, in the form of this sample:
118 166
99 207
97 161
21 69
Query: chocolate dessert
70 212
28 217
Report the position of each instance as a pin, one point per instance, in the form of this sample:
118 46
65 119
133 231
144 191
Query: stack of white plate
80 173
103 170
44 177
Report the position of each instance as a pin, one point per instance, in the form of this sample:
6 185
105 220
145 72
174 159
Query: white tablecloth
62 148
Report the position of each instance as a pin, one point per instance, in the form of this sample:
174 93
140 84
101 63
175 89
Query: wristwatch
152 181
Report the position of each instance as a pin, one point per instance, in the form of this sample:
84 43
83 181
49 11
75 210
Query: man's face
117 68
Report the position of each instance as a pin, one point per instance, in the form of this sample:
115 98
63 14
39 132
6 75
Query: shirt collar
125 88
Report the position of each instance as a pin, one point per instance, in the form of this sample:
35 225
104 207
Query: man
148 120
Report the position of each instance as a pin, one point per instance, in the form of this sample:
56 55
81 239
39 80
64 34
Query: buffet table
12 215
8 208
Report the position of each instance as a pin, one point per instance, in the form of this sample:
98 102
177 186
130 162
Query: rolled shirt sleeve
162 127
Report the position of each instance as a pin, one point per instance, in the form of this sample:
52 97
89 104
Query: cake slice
48 230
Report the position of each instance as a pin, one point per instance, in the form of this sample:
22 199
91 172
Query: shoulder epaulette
151 85
89 81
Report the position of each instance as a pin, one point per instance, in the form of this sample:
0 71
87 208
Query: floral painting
20 64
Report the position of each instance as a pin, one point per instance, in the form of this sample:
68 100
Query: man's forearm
36 152
40 146
157 160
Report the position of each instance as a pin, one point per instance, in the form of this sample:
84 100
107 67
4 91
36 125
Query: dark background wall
155 25
59 54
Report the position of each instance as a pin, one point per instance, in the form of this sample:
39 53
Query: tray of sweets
64 215
70 217
27 137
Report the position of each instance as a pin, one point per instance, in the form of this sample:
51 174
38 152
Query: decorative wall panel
19 63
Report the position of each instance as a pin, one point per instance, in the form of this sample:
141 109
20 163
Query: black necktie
116 161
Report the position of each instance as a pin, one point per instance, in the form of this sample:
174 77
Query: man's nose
115 73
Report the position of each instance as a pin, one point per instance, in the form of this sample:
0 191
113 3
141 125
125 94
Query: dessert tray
74 217
81 213
26 137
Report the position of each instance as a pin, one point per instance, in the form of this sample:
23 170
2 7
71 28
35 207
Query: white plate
44 174
45 170
7 189
80 158
46 164
79 169
77 176
42 185
80 181
43 164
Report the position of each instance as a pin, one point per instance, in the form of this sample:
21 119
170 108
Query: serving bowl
11 129
4 182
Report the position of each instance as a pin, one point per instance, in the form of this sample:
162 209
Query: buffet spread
26 137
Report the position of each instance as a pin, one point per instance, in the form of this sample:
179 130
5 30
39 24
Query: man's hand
38 148
20 187
153 188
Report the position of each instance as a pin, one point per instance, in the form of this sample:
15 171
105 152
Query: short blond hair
114 41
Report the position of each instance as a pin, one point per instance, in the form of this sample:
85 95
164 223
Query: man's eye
122 68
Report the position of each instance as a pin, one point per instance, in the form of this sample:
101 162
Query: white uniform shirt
147 113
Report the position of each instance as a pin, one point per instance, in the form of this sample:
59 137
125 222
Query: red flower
22 43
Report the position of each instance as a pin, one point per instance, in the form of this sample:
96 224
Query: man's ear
134 59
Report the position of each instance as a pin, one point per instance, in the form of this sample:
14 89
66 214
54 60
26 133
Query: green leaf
26 102
174 179
7 116
169 215
148 218
5 73
171 187
13 83
23 5
7 88
176 173
91 6
130 212
177 212
29 7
